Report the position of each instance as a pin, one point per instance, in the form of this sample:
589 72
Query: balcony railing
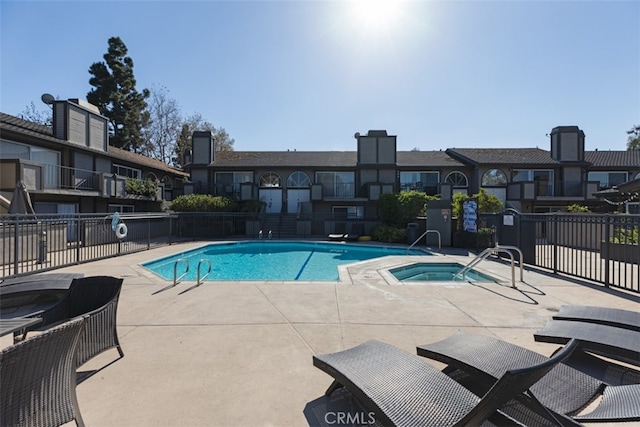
534 190
62 177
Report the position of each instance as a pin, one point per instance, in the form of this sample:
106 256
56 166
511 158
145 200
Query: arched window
298 180
168 185
494 177
151 176
270 179
457 179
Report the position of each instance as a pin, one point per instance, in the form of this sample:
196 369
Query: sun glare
375 14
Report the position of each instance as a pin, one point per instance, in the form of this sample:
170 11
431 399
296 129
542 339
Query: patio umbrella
21 201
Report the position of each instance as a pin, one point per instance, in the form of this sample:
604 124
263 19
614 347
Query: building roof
503 156
613 158
286 159
427 159
324 159
24 127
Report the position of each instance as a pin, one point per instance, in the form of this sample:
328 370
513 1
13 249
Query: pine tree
116 96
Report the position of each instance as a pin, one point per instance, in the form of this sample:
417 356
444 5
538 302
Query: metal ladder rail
484 255
517 249
424 234
177 279
200 280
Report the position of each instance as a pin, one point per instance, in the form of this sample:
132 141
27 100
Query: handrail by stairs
424 234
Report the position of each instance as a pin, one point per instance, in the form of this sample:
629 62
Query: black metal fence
604 248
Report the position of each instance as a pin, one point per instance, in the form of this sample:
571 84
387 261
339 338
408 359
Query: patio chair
564 390
38 386
339 231
626 319
97 297
403 390
617 343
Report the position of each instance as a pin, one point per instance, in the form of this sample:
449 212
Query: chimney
81 123
567 144
203 148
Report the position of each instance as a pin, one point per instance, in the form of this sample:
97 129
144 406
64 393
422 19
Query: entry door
273 198
295 197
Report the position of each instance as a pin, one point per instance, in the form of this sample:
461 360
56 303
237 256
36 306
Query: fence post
170 229
148 234
78 229
15 246
554 219
605 254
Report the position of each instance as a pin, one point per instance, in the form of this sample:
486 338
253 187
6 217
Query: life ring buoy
121 231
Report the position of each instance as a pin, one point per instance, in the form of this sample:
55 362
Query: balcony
45 178
545 190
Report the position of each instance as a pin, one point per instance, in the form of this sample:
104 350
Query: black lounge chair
401 389
626 319
613 342
94 296
564 390
38 379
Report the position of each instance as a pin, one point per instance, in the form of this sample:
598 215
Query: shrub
203 203
389 234
576 208
251 206
141 187
397 210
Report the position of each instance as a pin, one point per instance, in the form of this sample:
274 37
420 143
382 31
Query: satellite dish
356 135
47 98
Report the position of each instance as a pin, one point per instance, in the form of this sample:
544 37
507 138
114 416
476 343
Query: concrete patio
240 353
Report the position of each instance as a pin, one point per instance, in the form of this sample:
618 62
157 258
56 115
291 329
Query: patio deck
239 353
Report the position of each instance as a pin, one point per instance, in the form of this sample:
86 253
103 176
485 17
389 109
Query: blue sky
307 75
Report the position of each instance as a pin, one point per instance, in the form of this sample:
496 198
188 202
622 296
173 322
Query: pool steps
199 278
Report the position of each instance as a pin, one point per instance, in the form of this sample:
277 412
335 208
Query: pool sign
469 216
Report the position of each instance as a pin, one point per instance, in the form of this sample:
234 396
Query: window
542 178
270 179
494 178
426 182
337 184
348 212
633 208
120 208
126 171
607 179
457 179
298 180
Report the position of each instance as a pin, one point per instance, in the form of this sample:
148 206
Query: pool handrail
177 279
491 251
423 235
200 280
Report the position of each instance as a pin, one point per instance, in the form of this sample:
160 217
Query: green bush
625 235
397 210
139 187
203 203
576 208
389 234
251 206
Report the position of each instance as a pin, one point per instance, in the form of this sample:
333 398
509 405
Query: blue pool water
272 260
437 272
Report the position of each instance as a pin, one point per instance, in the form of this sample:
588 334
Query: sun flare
372 14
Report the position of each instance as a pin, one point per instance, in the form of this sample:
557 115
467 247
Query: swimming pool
289 261
437 272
